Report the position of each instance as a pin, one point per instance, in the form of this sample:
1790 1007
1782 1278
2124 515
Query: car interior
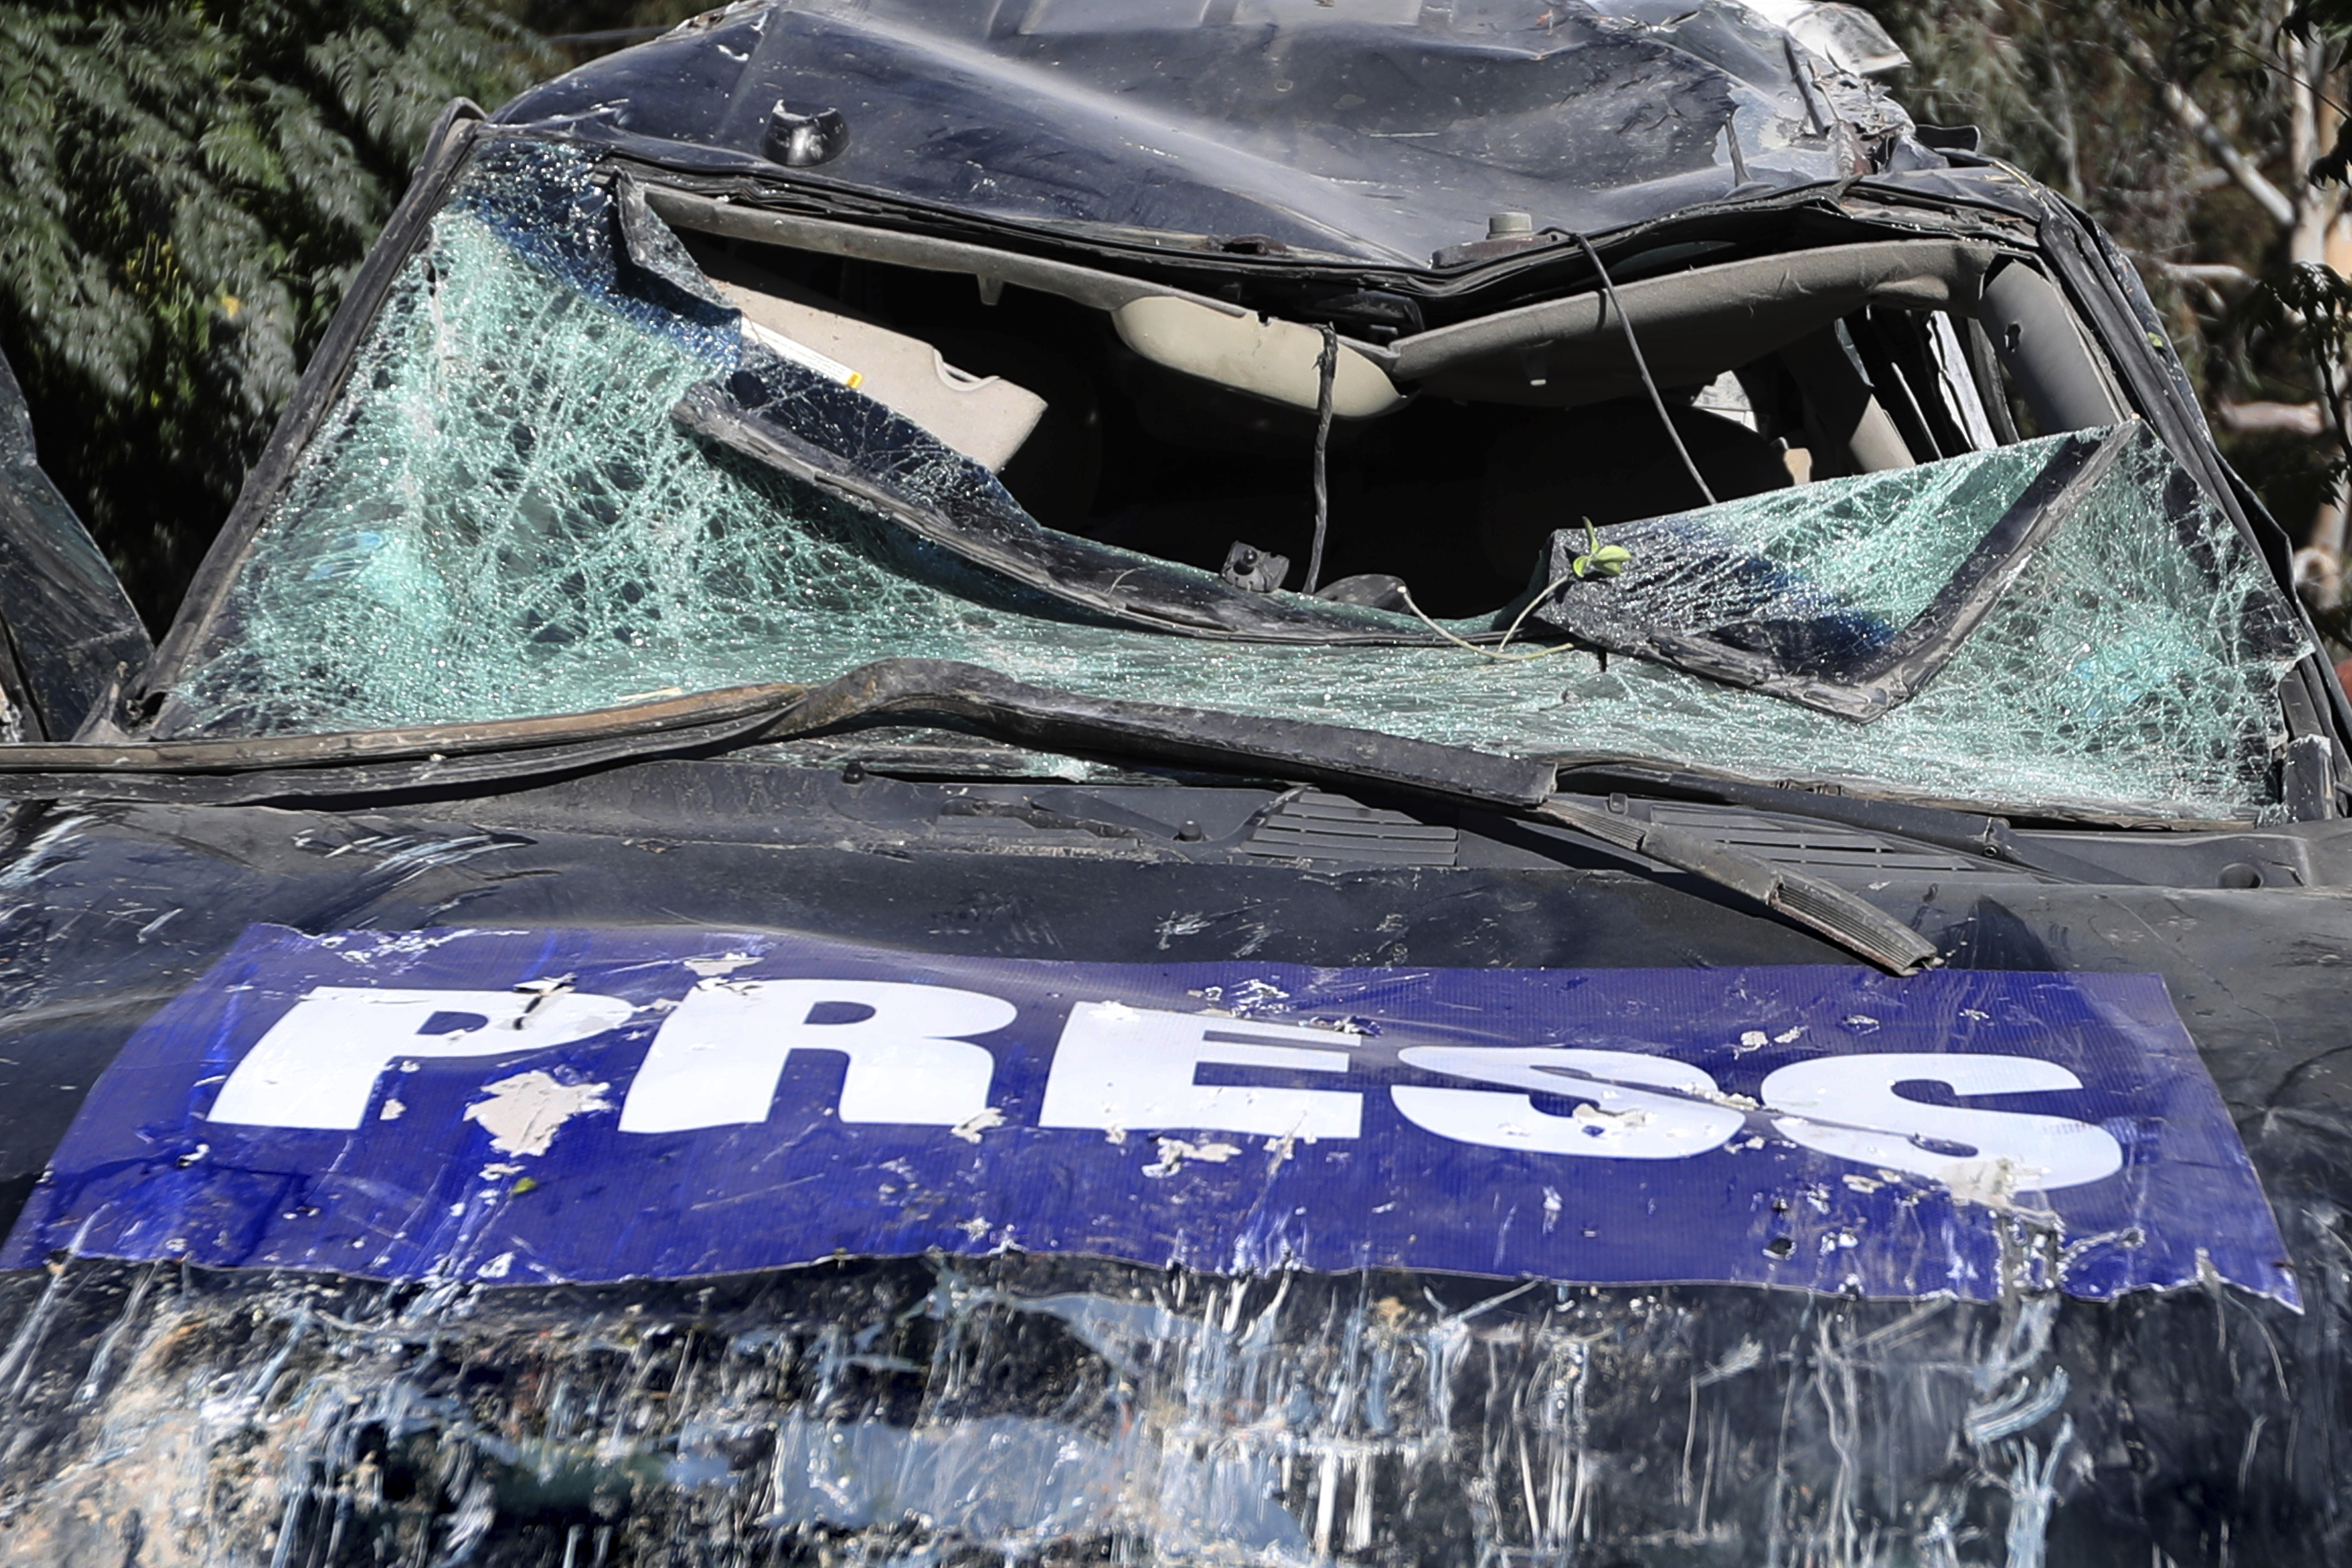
1185 426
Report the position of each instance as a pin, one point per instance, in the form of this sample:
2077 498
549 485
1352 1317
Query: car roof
1387 132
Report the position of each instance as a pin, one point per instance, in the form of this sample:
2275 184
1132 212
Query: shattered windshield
506 514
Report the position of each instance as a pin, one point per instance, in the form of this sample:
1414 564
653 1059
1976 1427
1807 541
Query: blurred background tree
578 30
189 185
2203 134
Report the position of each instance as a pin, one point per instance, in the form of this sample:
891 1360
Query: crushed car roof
1394 132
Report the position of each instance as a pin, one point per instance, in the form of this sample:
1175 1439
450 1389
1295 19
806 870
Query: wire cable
1328 368
1489 653
1657 400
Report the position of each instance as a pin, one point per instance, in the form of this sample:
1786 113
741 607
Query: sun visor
1213 339
1268 357
986 418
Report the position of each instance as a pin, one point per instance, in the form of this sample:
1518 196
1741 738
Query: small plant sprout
1599 560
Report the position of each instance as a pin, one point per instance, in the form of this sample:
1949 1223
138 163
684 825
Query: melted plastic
1029 1410
501 519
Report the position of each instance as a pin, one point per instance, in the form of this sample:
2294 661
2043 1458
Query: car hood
1002 1398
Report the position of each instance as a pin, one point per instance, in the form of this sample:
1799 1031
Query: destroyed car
1192 782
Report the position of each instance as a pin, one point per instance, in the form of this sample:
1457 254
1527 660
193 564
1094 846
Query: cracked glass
500 519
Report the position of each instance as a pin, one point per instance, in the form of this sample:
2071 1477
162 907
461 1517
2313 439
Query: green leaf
185 191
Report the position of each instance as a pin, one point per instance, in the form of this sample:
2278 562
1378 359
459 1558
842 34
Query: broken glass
501 519
1766 594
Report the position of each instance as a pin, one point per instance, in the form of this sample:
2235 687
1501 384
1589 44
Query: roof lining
1693 325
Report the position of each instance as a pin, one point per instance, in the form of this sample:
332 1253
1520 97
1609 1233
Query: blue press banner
541 1106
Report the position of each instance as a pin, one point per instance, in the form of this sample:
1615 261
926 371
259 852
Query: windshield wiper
279 767
1853 923
310 767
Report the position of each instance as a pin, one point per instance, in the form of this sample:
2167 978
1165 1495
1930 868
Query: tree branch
2271 419
2210 272
2201 125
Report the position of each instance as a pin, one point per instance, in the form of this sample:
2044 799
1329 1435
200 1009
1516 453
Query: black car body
788 535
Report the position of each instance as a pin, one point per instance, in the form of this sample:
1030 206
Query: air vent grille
1815 846
1311 826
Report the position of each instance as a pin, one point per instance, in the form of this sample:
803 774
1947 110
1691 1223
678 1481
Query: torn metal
1375 131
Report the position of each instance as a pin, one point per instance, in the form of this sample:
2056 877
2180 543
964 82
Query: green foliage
2053 85
2314 302
1598 559
583 27
185 189
2047 81
2329 24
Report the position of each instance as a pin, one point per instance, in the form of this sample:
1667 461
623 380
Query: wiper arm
1292 747
1853 924
298 767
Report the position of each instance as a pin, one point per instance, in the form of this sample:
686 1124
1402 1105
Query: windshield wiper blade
1852 922
227 772
1358 757
1292 747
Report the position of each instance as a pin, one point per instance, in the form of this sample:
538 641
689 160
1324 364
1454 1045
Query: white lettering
1133 1068
1615 1122
1847 1106
715 1060
318 1066
719 1056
